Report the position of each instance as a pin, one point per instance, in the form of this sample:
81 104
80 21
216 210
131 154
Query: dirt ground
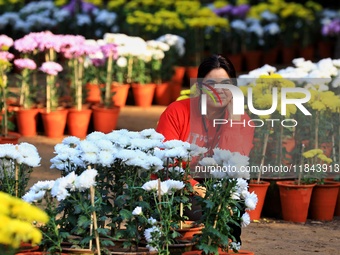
269 236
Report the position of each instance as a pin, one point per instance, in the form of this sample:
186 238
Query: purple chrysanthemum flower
332 28
51 68
26 44
110 49
83 7
240 11
23 63
97 62
47 40
5 55
224 10
5 42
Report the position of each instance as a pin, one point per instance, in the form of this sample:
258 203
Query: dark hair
216 61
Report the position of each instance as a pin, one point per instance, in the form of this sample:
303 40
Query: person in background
183 119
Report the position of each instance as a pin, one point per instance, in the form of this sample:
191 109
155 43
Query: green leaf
125 214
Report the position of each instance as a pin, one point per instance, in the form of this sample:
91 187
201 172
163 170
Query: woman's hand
199 190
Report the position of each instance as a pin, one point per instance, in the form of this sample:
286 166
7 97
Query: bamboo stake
266 137
181 212
95 226
159 194
300 173
16 180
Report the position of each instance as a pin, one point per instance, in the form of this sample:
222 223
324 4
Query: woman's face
223 96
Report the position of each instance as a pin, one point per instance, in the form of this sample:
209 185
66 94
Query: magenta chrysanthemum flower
23 63
51 68
110 49
47 40
5 42
26 44
5 55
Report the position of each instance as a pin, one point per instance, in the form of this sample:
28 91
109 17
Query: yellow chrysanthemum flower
312 153
324 158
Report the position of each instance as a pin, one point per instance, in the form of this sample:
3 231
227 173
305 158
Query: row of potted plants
294 144
73 65
244 26
122 191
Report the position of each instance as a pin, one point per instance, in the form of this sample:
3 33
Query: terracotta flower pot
54 123
143 94
12 137
260 189
178 75
189 230
105 119
192 72
198 252
27 121
78 122
93 93
323 201
295 200
121 94
163 93
253 59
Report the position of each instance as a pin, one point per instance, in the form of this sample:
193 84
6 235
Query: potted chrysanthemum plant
26 115
5 66
225 203
18 232
72 207
54 118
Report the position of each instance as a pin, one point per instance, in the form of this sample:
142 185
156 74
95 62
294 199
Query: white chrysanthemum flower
144 144
119 137
30 154
151 248
59 191
88 146
149 233
241 184
218 173
122 62
207 161
336 63
42 185
152 221
33 197
106 145
245 220
105 158
71 141
150 185
152 134
174 185
95 136
250 200
221 155
235 246
137 211
176 169
86 179
196 150
90 157
235 195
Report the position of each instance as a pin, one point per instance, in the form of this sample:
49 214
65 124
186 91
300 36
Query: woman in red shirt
184 120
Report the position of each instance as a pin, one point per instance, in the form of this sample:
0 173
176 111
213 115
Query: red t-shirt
182 120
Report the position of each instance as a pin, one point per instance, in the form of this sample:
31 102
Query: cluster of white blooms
164 187
61 187
144 149
174 40
227 164
240 192
320 75
22 154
